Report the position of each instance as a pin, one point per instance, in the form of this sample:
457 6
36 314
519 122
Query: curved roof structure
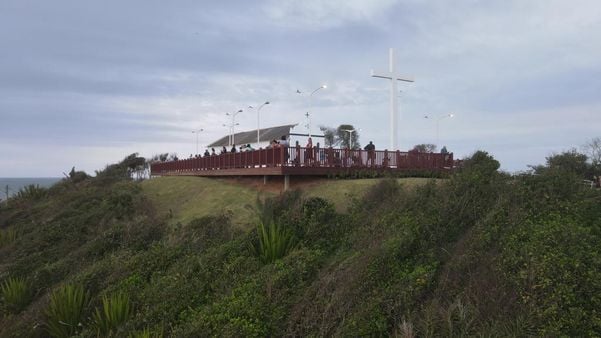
250 137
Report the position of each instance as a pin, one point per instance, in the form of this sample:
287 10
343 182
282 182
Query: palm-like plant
65 312
115 311
275 242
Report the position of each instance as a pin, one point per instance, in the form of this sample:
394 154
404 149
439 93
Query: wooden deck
298 161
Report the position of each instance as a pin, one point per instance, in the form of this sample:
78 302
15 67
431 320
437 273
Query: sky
85 83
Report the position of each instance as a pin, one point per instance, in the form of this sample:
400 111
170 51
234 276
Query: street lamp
258 121
230 131
197 131
310 105
233 115
441 117
350 138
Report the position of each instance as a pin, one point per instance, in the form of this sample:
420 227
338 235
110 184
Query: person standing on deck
309 151
371 153
285 144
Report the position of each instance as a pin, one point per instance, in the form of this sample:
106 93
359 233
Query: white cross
393 77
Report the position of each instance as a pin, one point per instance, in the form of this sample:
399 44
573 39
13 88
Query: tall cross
393 77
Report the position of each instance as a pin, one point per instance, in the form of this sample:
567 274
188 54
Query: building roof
250 137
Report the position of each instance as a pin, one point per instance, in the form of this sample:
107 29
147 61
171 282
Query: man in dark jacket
371 153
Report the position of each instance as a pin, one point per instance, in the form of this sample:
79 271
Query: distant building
266 135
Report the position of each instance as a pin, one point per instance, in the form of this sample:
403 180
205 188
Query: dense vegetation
482 252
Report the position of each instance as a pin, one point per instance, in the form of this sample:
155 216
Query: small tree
425 148
329 135
593 150
570 161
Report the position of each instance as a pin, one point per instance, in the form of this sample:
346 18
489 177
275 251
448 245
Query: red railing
309 157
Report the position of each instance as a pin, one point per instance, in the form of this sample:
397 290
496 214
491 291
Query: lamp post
197 131
230 138
350 136
311 106
258 121
441 117
233 115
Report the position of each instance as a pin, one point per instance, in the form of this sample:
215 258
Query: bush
32 192
115 311
16 294
65 313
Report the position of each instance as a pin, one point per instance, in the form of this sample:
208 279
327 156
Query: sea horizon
15 184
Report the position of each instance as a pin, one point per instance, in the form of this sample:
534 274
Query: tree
569 161
343 138
425 148
593 150
329 135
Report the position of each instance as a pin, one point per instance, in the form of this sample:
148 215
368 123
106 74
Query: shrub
16 294
65 312
115 311
33 192
7 236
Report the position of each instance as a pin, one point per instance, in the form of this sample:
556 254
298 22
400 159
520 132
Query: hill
481 253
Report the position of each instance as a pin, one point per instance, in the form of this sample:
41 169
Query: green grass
340 192
187 198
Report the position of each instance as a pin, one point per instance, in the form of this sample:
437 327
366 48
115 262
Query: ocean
16 183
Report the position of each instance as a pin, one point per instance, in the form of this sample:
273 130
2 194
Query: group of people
283 142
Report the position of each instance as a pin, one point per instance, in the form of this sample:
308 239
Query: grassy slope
186 198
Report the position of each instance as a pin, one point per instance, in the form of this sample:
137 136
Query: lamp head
266 102
324 86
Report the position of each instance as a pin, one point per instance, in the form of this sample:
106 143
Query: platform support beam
264 179
286 182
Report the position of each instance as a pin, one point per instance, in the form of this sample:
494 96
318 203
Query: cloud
318 15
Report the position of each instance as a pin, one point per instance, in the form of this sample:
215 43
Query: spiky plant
7 236
34 192
16 294
274 242
65 313
115 311
146 333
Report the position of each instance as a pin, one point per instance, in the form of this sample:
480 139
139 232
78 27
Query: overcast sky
85 83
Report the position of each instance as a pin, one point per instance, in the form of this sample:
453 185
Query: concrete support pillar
286 182
264 179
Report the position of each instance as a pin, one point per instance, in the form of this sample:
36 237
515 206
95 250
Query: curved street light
258 121
350 134
441 117
233 115
311 106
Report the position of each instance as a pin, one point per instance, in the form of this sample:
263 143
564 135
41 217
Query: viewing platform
299 161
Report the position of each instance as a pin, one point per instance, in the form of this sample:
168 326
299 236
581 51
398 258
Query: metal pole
437 123
258 123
